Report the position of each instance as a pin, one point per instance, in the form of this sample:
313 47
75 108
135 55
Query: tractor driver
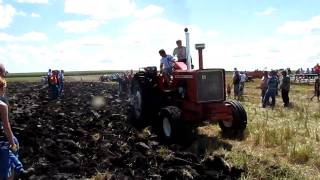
166 65
180 52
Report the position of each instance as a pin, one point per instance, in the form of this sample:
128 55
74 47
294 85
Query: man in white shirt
243 79
180 52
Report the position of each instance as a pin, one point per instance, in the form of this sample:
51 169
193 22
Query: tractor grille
211 85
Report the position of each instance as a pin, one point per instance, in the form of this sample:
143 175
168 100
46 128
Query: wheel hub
137 104
227 123
166 127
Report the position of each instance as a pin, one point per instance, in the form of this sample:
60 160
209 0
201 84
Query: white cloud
21 13
7 13
80 26
138 43
134 47
149 11
267 12
35 15
273 53
100 9
300 27
27 37
33 1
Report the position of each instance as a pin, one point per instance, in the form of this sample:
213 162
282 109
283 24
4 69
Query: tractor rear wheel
169 121
171 128
239 121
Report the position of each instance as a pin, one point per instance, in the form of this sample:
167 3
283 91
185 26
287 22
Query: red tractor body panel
205 112
201 94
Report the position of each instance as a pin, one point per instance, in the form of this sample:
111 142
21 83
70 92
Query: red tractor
191 98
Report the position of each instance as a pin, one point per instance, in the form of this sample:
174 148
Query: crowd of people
270 85
313 70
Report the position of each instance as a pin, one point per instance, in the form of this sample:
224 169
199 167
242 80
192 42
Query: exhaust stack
187 49
200 47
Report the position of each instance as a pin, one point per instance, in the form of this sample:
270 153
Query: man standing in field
264 85
61 81
272 90
243 78
285 87
236 84
316 88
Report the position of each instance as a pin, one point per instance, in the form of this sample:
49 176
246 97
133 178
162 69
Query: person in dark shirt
272 90
236 85
285 88
316 88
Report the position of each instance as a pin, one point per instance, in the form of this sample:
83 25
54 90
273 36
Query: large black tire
169 121
138 110
172 129
239 122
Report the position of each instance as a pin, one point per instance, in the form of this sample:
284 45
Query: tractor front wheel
239 121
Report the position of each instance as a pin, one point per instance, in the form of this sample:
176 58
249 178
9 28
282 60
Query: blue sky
36 35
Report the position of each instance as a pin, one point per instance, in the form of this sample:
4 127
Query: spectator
166 65
271 91
3 74
264 85
316 88
312 71
229 86
3 71
236 84
243 78
234 71
54 84
8 143
301 71
285 88
49 74
289 71
308 71
61 81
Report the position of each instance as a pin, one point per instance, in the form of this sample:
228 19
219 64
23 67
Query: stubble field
281 142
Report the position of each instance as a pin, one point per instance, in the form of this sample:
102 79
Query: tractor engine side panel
185 83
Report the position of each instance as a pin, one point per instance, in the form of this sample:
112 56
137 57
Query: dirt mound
86 132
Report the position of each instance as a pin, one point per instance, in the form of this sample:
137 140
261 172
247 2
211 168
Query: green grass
72 75
23 79
282 143
67 73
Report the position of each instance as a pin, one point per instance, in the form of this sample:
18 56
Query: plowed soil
86 131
